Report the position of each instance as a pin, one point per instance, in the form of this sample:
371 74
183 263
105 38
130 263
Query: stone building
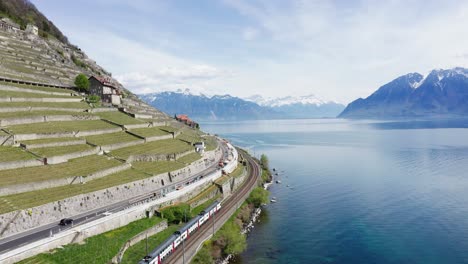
7 24
32 29
104 88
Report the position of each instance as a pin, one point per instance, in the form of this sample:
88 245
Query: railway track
227 209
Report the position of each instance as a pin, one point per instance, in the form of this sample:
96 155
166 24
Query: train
174 241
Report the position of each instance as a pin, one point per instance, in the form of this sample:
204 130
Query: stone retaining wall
156 138
103 109
54 144
42 119
158 157
137 126
97 132
54 211
29 108
40 100
66 157
142 116
7 140
21 137
26 90
122 145
33 186
20 164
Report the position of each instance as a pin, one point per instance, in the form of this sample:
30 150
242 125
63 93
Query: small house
104 88
199 147
7 24
186 120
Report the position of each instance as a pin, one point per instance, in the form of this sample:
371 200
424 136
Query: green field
82 105
57 151
35 198
21 114
98 249
119 118
13 153
31 95
136 252
39 88
75 167
149 132
166 146
49 140
112 138
61 126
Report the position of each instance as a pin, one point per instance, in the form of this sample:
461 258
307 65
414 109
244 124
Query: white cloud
249 33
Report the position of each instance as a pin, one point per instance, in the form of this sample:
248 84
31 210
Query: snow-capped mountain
441 93
307 106
288 100
202 107
227 107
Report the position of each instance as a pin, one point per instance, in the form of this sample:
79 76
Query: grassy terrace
31 95
49 140
57 151
39 88
100 248
210 143
169 128
119 118
13 153
156 147
81 105
189 135
189 158
112 138
76 167
238 171
149 132
61 126
21 114
157 167
35 198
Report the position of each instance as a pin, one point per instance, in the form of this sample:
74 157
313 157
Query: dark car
66 221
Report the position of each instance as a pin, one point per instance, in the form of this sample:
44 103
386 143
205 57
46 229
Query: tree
82 82
258 197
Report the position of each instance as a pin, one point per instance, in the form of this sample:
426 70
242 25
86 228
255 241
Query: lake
359 191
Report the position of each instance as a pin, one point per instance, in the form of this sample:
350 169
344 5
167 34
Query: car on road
66 221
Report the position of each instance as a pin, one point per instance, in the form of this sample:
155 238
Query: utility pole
213 224
183 249
146 243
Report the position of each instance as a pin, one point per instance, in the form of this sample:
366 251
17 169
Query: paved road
45 231
192 245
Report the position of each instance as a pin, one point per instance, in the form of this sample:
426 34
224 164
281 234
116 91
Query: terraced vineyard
25 158
62 156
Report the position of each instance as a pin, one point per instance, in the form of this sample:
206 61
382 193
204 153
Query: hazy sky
338 50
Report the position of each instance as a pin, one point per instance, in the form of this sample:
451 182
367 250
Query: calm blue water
360 192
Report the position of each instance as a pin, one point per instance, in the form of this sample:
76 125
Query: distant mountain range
226 107
442 93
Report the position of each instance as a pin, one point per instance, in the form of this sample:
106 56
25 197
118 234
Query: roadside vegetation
175 216
97 249
229 240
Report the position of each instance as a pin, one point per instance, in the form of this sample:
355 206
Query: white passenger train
170 245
